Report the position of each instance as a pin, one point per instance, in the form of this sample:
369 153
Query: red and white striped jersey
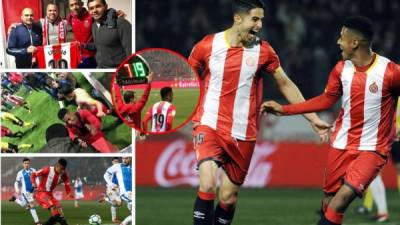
369 100
162 115
60 56
229 101
49 179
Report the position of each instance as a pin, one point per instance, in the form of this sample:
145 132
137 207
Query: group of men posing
104 38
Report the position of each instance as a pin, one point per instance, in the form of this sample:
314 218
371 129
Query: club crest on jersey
86 23
373 88
250 61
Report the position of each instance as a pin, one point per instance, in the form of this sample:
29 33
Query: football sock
52 220
203 208
34 215
398 183
113 212
23 146
333 216
324 221
379 195
368 200
61 220
127 220
223 214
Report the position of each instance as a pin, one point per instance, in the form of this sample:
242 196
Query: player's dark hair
115 158
362 25
102 2
56 130
63 162
128 95
244 6
66 89
165 91
61 113
25 159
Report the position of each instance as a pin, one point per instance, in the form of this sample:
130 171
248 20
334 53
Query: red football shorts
233 155
103 146
356 169
46 199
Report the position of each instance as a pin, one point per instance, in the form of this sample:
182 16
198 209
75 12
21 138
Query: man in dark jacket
23 40
112 36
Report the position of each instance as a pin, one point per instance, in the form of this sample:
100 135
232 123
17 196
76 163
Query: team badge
373 88
86 23
250 61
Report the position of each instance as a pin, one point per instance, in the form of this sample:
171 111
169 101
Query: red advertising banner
12 11
173 163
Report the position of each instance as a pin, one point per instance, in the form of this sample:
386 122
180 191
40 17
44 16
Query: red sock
334 216
206 196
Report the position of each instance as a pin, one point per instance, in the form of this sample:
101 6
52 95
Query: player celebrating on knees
369 85
50 176
26 191
123 173
162 113
225 126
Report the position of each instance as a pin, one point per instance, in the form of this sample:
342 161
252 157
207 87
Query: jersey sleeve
67 184
12 45
90 119
198 55
40 173
143 100
146 118
170 117
395 86
109 174
272 63
331 95
18 181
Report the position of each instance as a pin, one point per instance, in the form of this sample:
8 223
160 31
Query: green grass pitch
44 113
255 207
13 214
185 101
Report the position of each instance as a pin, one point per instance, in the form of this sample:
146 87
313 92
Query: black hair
56 130
165 91
362 25
62 112
66 89
115 158
128 95
102 2
26 159
244 6
63 162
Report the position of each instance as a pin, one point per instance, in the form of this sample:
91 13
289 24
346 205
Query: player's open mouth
252 34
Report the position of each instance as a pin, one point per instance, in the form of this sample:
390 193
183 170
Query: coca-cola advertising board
283 164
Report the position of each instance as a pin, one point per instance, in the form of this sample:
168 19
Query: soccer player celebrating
26 191
162 113
225 125
369 85
123 173
50 176
85 129
84 100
